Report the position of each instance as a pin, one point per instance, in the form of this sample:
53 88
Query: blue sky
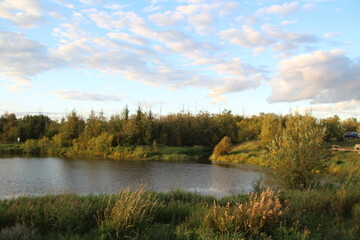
174 55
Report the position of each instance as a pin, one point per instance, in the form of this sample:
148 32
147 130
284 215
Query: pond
38 176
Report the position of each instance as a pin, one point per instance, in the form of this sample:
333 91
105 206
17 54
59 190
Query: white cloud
247 37
330 35
22 58
166 19
288 22
107 20
322 76
13 88
91 2
248 20
268 36
81 96
231 85
332 108
56 15
128 38
282 10
258 50
202 22
291 37
115 6
202 16
22 13
234 67
130 62
307 7
63 3
152 8
235 77
70 31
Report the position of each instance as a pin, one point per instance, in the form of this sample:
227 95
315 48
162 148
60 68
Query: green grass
144 152
252 152
344 166
348 143
11 148
289 214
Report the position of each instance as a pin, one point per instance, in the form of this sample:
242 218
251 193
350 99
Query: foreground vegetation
328 213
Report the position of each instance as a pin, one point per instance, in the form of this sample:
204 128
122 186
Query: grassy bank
145 152
252 152
11 148
310 214
344 165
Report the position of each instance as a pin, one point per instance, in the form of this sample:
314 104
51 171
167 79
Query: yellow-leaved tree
222 148
296 152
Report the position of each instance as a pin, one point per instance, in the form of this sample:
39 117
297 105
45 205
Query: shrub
61 140
174 157
101 143
31 146
127 213
261 213
223 147
296 153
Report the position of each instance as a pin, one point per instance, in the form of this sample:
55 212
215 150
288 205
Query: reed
126 213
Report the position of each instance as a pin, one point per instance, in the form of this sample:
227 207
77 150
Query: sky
170 56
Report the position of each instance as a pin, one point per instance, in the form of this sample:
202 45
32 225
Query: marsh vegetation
314 192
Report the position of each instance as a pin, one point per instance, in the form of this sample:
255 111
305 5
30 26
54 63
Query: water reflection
37 176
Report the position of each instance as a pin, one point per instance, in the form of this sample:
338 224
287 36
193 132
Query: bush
31 146
175 157
223 147
260 214
101 143
296 153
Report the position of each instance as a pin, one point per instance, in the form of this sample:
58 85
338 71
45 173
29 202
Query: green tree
350 124
226 125
249 128
70 128
95 125
33 126
8 128
296 152
333 128
115 126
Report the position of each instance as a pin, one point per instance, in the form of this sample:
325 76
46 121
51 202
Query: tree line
145 128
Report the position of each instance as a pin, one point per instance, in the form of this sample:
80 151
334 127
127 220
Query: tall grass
127 213
261 213
64 213
321 213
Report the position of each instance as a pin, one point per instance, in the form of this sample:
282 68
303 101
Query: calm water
37 176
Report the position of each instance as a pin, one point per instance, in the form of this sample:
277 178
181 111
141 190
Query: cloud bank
321 76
